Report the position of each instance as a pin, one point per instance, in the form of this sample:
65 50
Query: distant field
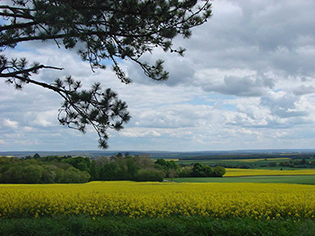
297 176
255 179
254 160
260 159
168 159
233 172
253 163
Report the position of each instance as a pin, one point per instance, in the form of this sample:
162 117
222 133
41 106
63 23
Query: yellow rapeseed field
219 200
230 172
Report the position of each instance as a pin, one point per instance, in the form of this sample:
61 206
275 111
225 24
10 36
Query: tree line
68 169
172 170
35 170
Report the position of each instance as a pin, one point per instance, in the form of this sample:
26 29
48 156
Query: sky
246 82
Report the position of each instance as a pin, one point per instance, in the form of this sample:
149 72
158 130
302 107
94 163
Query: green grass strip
192 226
251 179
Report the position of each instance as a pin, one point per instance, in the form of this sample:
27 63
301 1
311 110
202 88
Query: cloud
43 119
176 116
10 123
246 81
242 86
261 36
134 133
302 90
270 40
27 128
285 105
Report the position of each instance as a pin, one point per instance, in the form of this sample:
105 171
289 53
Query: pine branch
111 30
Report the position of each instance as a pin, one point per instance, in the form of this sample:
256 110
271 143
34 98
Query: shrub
219 171
32 174
149 175
73 175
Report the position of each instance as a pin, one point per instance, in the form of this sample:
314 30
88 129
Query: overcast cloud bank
246 82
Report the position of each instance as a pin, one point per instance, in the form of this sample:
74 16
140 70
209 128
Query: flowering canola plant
219 200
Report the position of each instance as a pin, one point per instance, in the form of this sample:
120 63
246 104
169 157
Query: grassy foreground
83 225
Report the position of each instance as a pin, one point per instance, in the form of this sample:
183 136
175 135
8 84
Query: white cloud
43 119
242 86
246 81
27 128
136 133
11 123
286 105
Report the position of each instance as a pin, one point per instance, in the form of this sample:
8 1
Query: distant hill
160 154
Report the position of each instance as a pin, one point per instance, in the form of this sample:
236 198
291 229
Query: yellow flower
218 200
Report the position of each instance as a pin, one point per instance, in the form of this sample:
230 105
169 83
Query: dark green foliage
209 172
33 174
149 175
94 171
81 163
243 166
219 171
106 31
143 161
50 174
12 175
96 107
200 170
108 171
36 156
67 169
172 170
190 226
162 163
184 172
132 167
124 168
127 154
35 171
169 167
73 175
297 163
